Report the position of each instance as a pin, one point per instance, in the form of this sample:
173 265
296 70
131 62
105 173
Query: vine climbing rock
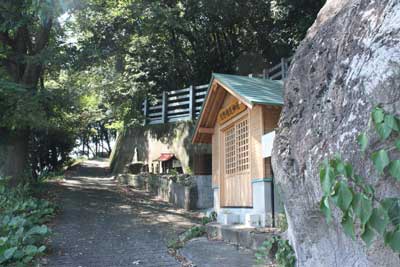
348 63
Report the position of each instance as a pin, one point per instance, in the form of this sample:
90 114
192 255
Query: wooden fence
185 104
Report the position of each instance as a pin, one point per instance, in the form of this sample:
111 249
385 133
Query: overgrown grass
278 250
50 176
195 231
23 229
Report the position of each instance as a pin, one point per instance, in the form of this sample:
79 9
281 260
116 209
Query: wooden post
164 107
192 102
145 110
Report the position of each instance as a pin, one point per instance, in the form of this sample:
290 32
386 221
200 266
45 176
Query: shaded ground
207 253
102 226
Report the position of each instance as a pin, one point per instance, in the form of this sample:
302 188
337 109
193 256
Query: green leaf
9 253
362 207
337 164
348 170
39 230
28 259
3 240
358 179
383 130
393 240
327 177
394 169
362 140
343 196
348 225
369 190
19 254
325 209
391 121
340 168
41 249
379 219
378 115
30 250
367 235
380 159
392 206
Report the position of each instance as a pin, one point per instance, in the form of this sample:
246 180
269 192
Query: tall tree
25 33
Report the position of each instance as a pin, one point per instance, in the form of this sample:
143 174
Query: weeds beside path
101 224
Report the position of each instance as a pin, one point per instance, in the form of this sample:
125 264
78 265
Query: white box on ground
253 220
267 141
228 218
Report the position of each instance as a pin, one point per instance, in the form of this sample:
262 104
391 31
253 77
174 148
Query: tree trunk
107 139
348 63
14 155
23 44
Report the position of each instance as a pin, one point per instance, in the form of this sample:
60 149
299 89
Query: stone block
229 235
245 238
205 195
228 218
253 220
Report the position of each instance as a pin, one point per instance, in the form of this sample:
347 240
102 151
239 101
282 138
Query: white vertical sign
267 142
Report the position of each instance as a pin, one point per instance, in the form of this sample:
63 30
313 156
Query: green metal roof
250 89
253 90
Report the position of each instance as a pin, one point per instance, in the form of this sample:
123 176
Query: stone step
240 235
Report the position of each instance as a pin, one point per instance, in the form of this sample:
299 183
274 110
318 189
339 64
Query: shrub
186 180
195 231
22 225
50 175
278 250
211 218
282 222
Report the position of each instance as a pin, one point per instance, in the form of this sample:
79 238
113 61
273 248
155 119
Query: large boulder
348 63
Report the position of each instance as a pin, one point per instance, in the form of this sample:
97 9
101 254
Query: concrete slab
240 235
206 253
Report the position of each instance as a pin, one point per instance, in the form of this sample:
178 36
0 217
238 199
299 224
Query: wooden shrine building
237 113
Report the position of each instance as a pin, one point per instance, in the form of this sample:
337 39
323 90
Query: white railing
185 104
172 106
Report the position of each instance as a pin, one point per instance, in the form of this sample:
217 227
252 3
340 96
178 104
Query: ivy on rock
362 211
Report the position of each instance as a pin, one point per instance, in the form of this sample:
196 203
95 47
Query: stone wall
180 196
205 196
197 196
134 180
146 143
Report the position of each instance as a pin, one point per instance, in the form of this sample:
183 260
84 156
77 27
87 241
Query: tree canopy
73 72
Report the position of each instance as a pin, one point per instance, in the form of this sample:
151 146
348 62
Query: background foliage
22 225
72 72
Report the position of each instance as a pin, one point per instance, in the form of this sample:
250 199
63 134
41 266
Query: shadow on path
102 224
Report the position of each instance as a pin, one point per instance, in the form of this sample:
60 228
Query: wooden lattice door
235 183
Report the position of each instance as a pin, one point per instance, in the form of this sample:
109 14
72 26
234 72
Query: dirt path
102 225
